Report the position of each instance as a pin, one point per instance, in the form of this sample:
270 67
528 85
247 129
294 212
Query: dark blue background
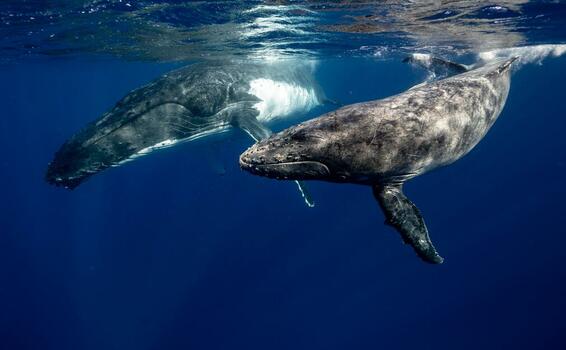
165 253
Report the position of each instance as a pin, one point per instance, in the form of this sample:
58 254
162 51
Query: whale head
74 163
295 154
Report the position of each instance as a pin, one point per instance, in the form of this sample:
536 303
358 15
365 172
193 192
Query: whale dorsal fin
438 67
248 122
406 218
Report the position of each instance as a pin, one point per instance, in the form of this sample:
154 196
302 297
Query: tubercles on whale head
291 155
73 164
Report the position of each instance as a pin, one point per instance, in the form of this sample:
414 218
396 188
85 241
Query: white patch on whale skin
147 150
171 142
162 144
526 54
280 99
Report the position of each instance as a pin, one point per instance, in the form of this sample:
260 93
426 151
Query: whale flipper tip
305 193
406 218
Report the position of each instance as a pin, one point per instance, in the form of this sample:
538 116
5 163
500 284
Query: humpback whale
384 143
184 105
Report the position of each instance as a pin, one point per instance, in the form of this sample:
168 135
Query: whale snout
60 181
77 160
274 159
68 169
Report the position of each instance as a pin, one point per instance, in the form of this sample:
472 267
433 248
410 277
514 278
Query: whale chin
68 183
297 170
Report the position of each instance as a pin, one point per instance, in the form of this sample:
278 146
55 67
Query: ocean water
182 250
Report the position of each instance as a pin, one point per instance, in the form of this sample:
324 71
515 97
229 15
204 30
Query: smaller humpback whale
386 142
184 105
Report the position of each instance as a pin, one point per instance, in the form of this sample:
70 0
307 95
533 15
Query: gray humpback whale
184 105
386 142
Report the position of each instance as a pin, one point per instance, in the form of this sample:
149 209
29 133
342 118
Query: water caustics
183 30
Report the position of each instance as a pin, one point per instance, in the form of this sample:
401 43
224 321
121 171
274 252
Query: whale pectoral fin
406 218
258 132
437 66
304 190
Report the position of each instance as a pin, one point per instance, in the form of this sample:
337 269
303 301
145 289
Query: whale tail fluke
437 67
406 218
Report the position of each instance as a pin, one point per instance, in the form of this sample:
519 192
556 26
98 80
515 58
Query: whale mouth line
295 170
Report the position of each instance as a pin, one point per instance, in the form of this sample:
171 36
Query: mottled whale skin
183 105
386 142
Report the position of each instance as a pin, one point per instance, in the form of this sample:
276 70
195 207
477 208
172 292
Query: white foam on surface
280 99
525 54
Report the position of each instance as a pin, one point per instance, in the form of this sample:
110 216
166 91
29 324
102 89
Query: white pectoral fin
305 193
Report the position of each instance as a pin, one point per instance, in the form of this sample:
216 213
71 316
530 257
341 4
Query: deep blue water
166 253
